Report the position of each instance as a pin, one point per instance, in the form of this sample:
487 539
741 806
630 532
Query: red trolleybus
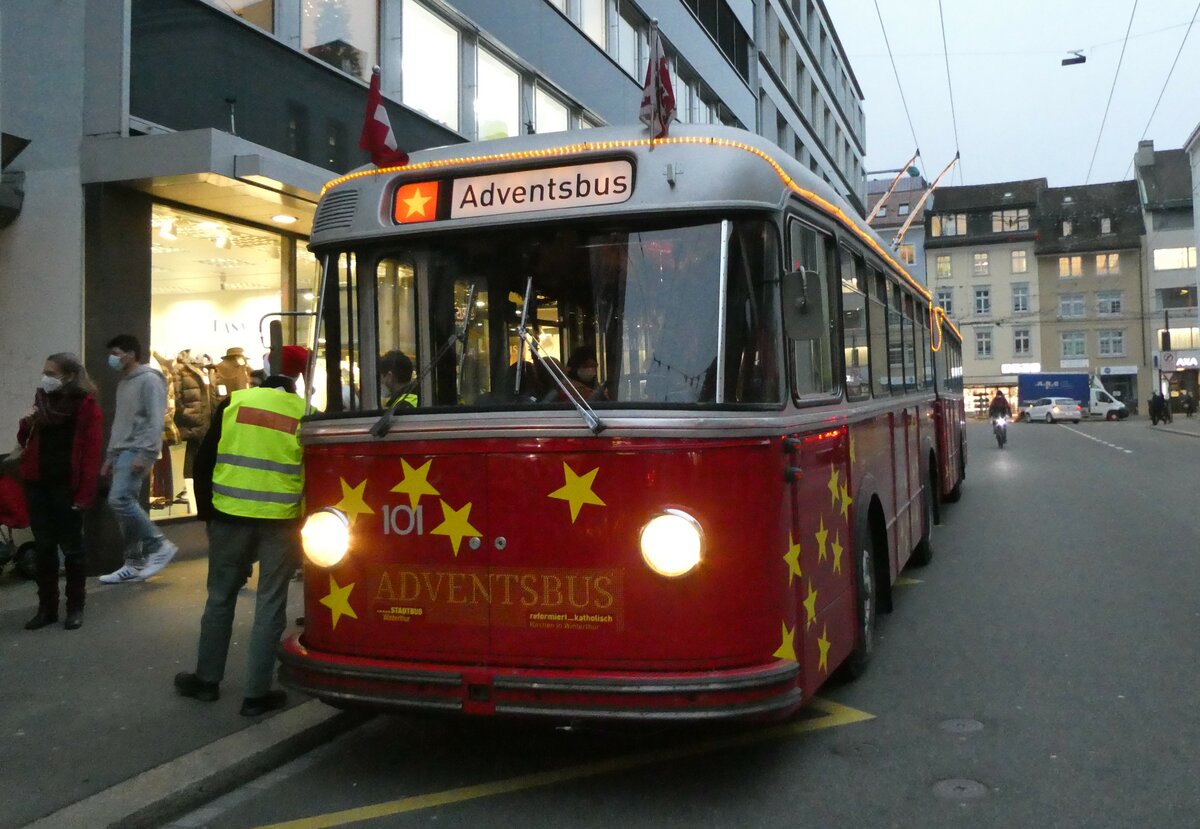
676 423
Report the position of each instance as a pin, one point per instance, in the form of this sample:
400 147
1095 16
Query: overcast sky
1020 113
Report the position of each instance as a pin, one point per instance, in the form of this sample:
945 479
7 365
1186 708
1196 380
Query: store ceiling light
222 240
283 219
166 230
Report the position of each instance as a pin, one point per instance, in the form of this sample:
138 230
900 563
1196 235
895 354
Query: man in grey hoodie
132 449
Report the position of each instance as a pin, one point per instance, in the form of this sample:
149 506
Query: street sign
1166 361
1168 376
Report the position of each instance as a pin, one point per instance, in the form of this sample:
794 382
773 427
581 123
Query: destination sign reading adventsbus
553 188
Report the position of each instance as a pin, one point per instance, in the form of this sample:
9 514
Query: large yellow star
455 524
836 546
577 490
822 534
846 502
416 204
833 484
787 648
810 605
415 483
792 557
338 601
353 503
823 644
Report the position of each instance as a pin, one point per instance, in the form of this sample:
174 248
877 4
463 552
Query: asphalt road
1041 672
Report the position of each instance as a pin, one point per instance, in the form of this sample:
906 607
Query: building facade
891 216
161 172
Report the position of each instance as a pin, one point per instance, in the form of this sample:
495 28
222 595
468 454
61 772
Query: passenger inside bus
395 377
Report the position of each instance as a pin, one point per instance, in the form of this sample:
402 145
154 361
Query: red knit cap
293 360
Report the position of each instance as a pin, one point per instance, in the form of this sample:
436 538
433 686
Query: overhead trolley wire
1170 72
1112 89
916 143
950 86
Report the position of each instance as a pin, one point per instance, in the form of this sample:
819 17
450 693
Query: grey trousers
232 548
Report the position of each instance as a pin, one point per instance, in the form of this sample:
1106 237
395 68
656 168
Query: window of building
549 113
1067 227
1020 297
1070 266
593 20
983 344
981 266
1020 261
1073 344
983 301
908 254
430 64
945 299
1108 264
1105 225
949 224
632 33
1174 298
1112 343
1170 259
343 33
903 209
1009 221
882 212
1070 306
260 13
943 266
1021 339
497 98
1110 302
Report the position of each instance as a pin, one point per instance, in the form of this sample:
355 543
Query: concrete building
895 212
1164 189
1090 280
980 266
175 148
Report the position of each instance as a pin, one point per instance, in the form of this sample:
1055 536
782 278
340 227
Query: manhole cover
960 725
959 788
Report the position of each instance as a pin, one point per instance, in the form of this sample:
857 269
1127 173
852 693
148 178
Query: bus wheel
866 604
923 552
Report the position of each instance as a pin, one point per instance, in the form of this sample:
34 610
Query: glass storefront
212 282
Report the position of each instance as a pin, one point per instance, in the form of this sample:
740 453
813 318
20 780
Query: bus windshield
676 315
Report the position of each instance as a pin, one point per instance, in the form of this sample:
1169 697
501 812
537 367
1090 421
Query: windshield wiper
553 369
384 424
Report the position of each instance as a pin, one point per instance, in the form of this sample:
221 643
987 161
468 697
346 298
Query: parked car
1054 409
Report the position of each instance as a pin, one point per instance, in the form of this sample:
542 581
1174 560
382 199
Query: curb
176 787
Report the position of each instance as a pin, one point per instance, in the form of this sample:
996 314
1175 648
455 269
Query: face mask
114 362
50 384
587 375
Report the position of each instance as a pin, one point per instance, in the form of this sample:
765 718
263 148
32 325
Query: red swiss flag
377 137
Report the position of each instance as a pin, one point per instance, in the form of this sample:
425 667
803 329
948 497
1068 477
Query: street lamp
911 170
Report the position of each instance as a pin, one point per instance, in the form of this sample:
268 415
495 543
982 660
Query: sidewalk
1180 425
92 732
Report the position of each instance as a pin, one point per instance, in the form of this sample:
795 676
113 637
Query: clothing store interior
214 283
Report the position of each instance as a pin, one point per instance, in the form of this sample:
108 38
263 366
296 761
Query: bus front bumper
761 691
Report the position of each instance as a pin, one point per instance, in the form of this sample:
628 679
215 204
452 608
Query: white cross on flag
377 137
658 98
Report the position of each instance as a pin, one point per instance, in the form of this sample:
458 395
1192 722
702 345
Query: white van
1102 404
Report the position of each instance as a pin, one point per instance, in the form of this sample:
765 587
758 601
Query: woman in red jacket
60 465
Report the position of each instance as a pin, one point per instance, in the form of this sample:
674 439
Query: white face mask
114 362
50 384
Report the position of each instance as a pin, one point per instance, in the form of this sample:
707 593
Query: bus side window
808 303
855 341
912 367
879 335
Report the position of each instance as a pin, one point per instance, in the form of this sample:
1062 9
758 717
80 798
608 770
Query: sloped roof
985 196
1168 181
1084 206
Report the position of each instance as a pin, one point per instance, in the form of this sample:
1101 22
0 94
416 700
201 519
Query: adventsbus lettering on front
551 188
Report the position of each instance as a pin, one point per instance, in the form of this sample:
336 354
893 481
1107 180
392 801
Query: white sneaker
159 559
128 573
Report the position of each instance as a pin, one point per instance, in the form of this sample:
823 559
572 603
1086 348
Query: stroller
14 516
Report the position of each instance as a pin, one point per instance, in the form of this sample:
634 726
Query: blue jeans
138 530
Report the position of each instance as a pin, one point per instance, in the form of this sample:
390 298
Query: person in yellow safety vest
395 372
249 483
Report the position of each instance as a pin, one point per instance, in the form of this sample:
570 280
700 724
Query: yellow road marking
905 581
835 715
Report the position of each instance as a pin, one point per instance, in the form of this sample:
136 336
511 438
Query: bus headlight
672 543
325 537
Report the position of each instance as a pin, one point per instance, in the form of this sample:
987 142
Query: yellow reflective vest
259 473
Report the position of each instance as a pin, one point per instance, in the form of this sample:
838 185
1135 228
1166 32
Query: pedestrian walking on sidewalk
60 465
248 483
133 446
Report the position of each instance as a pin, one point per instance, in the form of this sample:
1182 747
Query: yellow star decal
415 483
577 490
792 557
352 502
416 204
823 644
833 484
810 605
852 458
338 601
455 524
822 534
787 648
837 552
846 502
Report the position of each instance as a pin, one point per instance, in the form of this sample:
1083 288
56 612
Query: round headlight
672 543
325 537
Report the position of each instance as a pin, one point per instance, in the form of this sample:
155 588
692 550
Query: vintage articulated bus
676 420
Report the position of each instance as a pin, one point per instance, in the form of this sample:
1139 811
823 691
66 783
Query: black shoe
74 620
40 620
257 706
190 685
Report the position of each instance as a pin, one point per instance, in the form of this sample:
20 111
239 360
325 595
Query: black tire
866 604
25 563
1050 418
1111 416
